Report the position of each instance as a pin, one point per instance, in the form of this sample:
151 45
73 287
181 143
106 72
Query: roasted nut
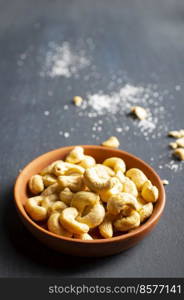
49 200
51 189
49 180
165 182
127 223
73 182
76 155
96 178
180 142
57 206
83 199
179 153
106 227
176 133
55 226
116 163
83 236
139 112
66 196
69 222
137 176
87 162
145 211
36 185
173 145
49 169
34 208
120 175
149 192
117 202
129 187
115 188
111 142
77 100
94 217
72 168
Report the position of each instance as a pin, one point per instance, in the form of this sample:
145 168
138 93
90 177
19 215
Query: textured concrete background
138 42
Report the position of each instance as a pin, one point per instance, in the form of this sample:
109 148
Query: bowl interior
100 154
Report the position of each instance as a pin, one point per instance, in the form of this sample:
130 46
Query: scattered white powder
62 60
46 113
65 107
66 134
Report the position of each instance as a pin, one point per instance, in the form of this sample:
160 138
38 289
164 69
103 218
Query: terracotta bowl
100 247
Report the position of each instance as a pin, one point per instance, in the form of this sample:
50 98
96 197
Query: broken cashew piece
137 176
76 155
49 168
116 163
179 153
139 112
36 184
77 100
112 142
34 208
97 178
83 199
117 202
149 192
73 182
127 223
94 217
69 222
55 226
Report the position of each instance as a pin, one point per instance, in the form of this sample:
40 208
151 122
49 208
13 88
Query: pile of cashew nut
78 196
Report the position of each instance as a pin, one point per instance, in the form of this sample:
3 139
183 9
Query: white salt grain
46 113
66 134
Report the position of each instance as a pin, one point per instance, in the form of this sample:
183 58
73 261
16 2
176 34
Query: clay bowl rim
134 233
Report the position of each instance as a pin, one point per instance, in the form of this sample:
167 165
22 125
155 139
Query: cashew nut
57 206
55 226
149 192
127 223
66 196
83 199
49 169
76 155
73 182
116 163
34 208
49 200
87 162
111 142
115 188
49 180
179 153
106 227
94 217
145 211
51 189
72 168
83 236
120 175
137 176
139 112
36 185
97 178
68 221
117 202
130 187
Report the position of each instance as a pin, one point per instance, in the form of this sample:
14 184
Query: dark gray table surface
139 42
